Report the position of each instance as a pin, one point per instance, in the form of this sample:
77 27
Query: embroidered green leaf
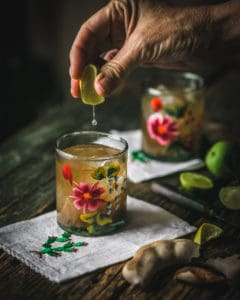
61 239
47 245
45 250
51 239
68 245
58 249
68 250
79 244
140 156
66 235
52 253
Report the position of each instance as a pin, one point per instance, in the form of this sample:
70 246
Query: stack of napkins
140 171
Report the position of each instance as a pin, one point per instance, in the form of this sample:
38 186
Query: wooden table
27 189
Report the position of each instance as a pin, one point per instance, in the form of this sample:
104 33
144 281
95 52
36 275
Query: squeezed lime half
207 232
88 94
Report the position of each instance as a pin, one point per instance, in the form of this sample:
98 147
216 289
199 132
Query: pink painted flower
162 128
87 197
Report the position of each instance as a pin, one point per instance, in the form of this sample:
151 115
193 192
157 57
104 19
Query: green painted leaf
113 170
100 173
117 224
176 111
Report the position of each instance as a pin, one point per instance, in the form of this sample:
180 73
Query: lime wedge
230 197
88 94
207 232
195 181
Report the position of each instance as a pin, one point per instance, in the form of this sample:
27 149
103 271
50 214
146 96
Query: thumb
115 70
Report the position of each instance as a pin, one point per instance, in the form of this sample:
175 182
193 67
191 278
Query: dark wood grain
27 189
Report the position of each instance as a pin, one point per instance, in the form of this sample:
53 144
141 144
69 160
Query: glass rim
154 91
85 133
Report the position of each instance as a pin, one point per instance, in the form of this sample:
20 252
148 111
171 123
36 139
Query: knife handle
181 199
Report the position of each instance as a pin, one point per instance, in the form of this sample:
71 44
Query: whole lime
222 159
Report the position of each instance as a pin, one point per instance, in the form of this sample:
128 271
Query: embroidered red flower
87 197
162 128
67 172
156 104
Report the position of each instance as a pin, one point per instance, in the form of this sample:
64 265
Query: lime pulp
88 93
207 232
230 197
191 180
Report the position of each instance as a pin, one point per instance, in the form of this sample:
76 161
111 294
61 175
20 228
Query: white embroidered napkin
139 171
146 223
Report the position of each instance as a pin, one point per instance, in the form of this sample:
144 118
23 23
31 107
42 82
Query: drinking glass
172 116
91 182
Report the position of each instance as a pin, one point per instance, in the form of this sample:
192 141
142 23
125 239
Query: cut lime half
207 232
230 197
88 94
195 181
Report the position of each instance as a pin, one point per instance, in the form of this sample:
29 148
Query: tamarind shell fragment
199 276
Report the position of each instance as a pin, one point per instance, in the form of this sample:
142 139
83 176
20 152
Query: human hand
135 33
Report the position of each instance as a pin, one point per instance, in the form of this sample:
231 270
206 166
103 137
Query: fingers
116 69
75 90
90 41
110 54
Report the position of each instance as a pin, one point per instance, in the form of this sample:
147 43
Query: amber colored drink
172 118
91 188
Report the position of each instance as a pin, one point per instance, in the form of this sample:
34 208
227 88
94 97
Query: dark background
36 37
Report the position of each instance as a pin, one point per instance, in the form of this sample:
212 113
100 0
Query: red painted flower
67 172
87 197
156 104
162 128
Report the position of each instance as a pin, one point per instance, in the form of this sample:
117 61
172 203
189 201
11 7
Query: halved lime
207 232
230 197
195 181
88 94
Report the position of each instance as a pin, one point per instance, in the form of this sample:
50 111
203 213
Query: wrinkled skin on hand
134 33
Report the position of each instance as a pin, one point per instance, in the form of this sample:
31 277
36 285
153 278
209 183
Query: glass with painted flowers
91 179
172 116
